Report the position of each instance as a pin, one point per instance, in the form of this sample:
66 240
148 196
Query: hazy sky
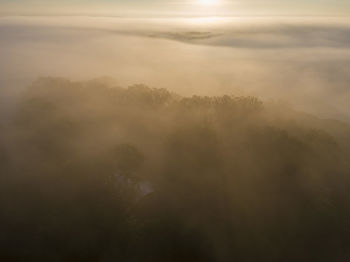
176 7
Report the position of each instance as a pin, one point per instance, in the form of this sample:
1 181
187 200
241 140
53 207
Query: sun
208 2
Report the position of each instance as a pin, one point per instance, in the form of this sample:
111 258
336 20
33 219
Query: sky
176 7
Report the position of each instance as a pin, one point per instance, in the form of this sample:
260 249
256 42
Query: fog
301 61
182 139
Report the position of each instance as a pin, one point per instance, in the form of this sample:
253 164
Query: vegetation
93 173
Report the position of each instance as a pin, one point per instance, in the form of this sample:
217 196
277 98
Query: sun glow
208 2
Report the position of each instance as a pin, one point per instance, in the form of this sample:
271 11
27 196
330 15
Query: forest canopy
90 171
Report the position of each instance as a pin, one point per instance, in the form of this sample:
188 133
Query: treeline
90 172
